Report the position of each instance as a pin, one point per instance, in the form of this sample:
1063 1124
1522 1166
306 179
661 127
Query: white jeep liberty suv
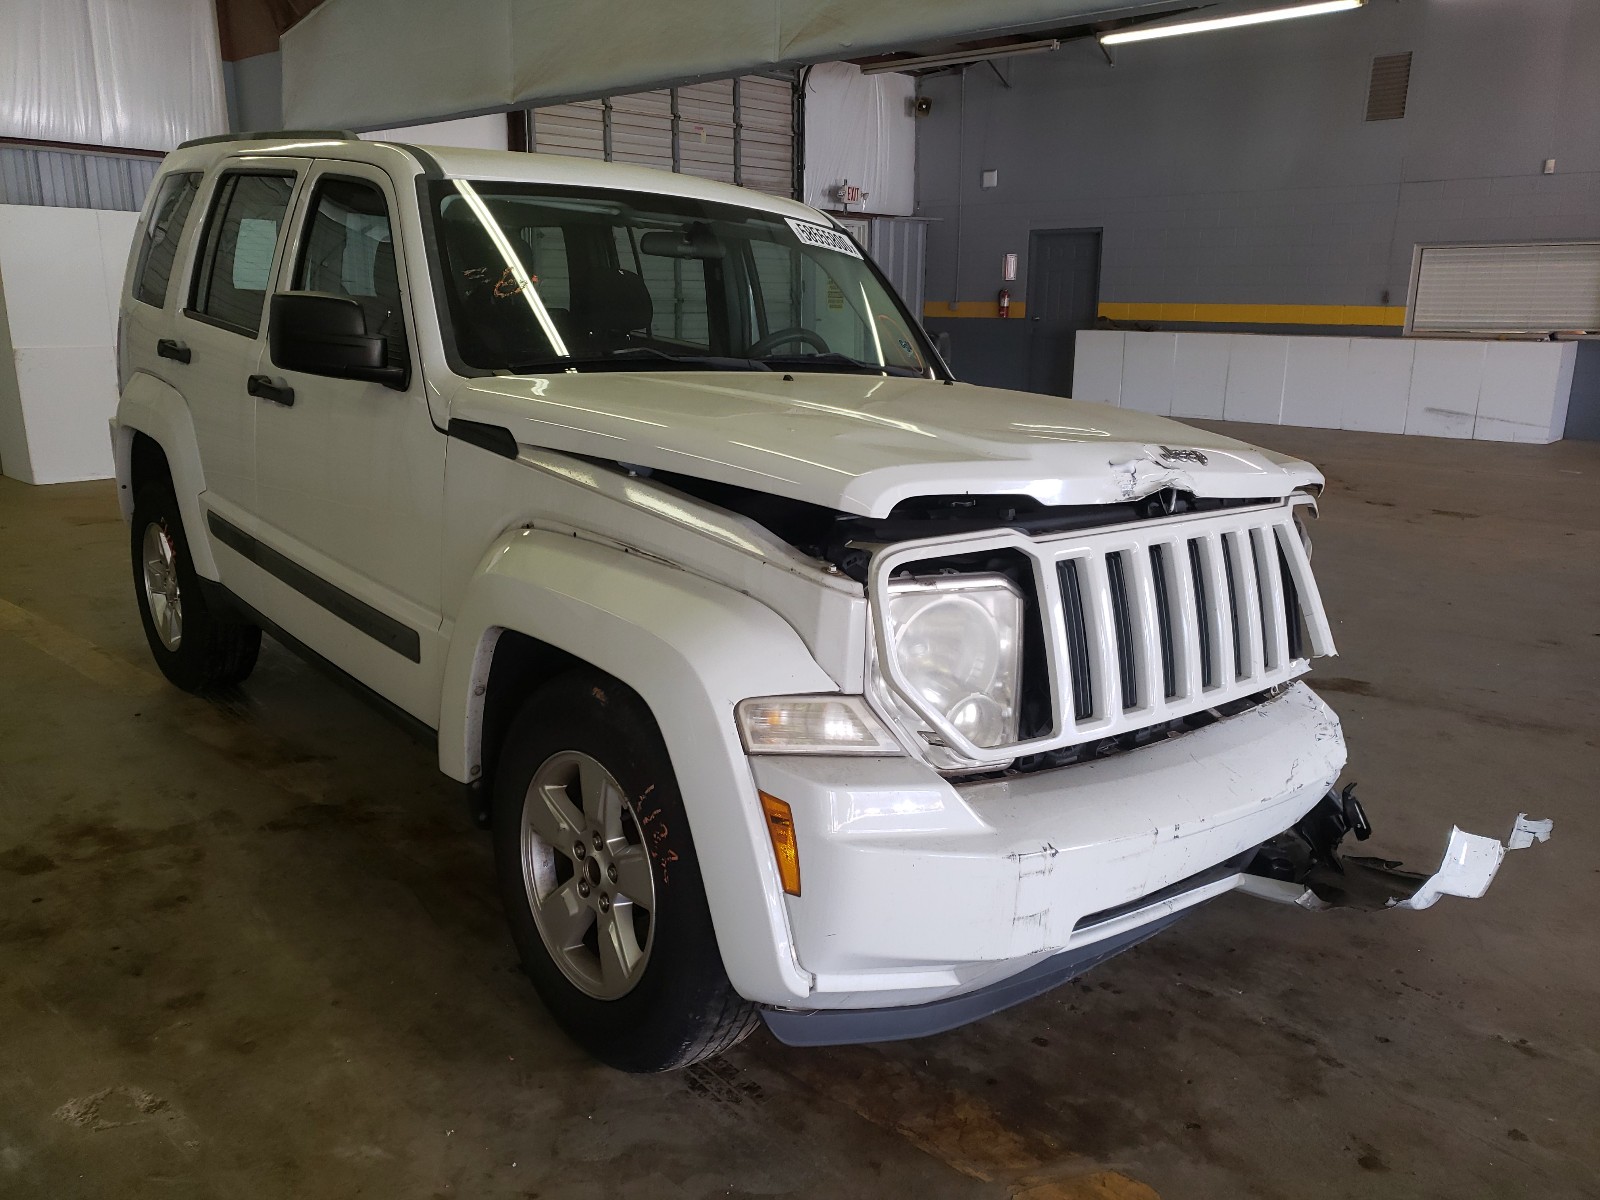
798 681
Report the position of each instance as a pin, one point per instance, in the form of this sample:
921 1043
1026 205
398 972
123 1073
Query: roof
456 163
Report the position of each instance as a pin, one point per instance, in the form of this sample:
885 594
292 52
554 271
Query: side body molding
692 649
156 409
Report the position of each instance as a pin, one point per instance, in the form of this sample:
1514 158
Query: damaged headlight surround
956 642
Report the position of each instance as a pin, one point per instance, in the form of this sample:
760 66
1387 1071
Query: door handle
176 351
278 393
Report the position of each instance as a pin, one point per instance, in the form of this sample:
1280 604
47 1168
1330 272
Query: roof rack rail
343 135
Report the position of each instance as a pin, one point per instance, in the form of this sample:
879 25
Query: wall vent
1386 90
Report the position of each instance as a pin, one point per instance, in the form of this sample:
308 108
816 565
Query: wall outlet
990 179
1549 166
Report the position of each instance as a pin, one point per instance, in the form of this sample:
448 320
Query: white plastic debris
1471 861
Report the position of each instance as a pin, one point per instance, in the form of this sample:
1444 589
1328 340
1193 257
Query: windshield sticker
823 237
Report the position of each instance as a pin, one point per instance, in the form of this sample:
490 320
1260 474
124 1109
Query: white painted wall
61 272
861 128
1461 388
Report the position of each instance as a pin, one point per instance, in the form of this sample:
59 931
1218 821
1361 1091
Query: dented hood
860 444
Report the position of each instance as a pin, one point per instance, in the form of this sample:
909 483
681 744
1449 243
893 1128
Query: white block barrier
1462 388
61 272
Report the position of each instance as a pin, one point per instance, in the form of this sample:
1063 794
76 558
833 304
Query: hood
860 444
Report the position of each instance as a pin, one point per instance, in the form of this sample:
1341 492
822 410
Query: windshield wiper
833 360
639 358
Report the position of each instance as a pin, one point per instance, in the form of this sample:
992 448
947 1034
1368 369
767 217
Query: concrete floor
251 949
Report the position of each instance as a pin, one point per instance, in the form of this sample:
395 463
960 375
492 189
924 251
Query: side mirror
323 334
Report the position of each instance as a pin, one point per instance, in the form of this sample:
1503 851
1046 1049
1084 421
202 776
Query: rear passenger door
145 340
218 334
350 476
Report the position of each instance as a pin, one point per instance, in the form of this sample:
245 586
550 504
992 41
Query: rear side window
235 267
174 199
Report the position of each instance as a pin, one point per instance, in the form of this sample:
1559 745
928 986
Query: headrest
615 300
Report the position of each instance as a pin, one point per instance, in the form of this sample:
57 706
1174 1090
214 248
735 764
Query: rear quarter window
159 251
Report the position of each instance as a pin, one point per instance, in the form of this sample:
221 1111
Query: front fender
156 409
692 649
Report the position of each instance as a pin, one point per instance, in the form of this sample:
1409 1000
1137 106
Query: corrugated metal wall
735 130
75 178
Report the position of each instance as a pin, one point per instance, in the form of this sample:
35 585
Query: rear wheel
195 646
601 884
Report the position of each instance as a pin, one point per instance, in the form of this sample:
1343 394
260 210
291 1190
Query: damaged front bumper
1304 867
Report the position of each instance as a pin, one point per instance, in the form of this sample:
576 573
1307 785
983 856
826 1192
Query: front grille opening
1158 573
1202 605
1077 641
1121 622
1294 615
1233 605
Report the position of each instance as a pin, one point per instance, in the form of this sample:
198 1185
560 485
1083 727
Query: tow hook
1304 867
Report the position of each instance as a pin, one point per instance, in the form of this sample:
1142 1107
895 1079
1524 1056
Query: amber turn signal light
780 828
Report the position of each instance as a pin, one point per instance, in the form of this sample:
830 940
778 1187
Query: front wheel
601 884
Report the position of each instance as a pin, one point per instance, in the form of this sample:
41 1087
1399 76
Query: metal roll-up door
578 130
706 143
1517 288
736 131
766 135
641 129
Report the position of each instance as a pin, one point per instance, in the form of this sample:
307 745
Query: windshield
546 278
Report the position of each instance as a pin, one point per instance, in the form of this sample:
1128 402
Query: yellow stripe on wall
1259 314
1208 314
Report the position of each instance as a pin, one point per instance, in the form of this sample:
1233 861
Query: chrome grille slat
1224 642
1249 617
1145 618
1187 646
1230 609
1101 625
1274 611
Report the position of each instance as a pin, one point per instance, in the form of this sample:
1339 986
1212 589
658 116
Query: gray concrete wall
1583 407
1237 167
255 92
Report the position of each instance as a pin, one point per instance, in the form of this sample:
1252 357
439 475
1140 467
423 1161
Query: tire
197 648
659 998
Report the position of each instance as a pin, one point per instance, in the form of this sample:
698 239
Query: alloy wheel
588 875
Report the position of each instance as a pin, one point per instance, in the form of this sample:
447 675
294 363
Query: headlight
812 725
957 642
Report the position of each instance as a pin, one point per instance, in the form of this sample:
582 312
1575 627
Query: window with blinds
734 130
1525 287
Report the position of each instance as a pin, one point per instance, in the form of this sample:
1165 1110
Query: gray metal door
1063 297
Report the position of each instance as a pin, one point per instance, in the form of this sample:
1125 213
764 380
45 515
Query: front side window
235 268
348 250
174 199
645 281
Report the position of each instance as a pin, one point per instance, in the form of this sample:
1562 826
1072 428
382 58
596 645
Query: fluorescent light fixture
1149 33
956 58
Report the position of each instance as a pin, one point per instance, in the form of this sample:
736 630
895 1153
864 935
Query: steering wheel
780 337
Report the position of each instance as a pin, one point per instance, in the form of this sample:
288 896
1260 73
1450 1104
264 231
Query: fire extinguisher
1005 303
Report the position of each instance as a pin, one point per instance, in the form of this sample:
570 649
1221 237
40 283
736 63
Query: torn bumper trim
1470 864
